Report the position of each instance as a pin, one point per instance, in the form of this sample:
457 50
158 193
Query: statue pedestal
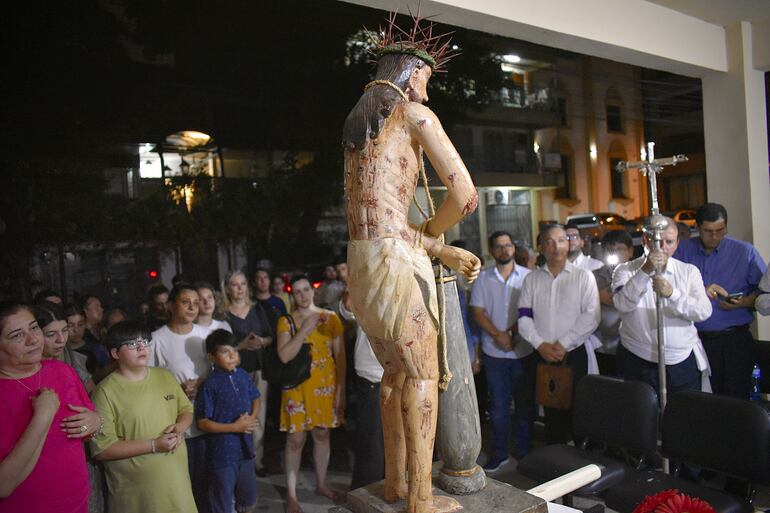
496 497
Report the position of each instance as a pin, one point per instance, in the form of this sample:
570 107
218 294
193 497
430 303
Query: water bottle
756 392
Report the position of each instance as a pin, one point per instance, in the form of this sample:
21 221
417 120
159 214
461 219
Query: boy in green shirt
145 416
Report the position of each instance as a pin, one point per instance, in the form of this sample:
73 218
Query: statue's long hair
377 103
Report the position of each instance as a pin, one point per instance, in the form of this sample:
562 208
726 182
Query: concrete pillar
735 127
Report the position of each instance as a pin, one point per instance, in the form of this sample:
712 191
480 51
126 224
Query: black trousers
369 459
682 376
731 357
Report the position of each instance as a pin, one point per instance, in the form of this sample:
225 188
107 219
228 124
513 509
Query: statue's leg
417 350
393 432
391 388
420 406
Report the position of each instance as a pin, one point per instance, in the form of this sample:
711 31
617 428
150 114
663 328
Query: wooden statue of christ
391 279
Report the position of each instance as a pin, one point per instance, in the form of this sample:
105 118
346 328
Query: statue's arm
457 259
462 197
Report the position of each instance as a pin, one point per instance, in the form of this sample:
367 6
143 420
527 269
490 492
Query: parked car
685 216
593 226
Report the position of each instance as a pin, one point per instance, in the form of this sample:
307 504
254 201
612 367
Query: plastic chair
611 412
722 434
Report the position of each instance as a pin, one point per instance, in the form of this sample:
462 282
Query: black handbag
292 373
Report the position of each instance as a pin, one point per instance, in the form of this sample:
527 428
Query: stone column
458 435
735 131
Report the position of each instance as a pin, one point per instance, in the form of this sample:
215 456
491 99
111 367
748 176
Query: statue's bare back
380 182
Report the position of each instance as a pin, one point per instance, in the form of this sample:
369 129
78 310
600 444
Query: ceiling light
188 138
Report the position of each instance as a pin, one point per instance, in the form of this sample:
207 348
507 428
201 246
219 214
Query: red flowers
672 501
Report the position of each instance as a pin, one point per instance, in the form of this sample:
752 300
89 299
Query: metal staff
656 225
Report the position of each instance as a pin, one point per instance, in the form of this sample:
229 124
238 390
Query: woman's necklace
39 380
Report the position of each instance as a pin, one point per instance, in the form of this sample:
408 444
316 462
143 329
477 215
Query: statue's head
405 61
407 72
418 42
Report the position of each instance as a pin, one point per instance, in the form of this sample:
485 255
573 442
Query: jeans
510 379
259 432
369 460
237 480
196 463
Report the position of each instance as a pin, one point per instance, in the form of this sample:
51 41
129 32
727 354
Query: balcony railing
518 97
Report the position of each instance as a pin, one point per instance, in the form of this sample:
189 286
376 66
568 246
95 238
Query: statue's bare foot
439 504
444 504
334 496
292 506
394 493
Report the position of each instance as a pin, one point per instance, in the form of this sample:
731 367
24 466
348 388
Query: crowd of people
600 316
173 406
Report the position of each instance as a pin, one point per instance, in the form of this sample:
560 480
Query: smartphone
734 297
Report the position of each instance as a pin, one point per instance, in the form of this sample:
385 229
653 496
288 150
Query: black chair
723 434
616 414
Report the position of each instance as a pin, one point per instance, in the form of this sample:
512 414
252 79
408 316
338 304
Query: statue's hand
461 261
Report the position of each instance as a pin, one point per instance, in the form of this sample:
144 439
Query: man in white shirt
558 312
329 293
180 347
636 284
506 357
762 304
575 253
369 456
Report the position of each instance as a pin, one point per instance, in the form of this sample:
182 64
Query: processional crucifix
655 226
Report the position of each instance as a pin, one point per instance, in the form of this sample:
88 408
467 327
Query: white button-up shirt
588 263
762 303
500 299
562 309
365 362
635 300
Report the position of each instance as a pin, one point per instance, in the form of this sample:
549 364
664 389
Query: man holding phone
731 272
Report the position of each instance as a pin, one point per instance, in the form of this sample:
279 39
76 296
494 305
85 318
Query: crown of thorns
419 41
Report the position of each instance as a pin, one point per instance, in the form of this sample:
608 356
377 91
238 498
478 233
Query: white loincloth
380 280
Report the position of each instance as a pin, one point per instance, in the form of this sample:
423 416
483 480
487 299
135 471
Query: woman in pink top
45 414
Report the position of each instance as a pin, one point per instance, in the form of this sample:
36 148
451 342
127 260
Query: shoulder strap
292 326
263 320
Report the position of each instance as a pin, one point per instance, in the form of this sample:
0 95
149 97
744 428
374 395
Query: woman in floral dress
318 404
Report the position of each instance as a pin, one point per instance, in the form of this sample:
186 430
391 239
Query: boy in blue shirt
226 408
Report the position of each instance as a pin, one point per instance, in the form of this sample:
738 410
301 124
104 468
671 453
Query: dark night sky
255 75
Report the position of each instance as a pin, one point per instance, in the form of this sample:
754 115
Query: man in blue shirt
731 271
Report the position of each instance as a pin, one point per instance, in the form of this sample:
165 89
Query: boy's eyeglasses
136 345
